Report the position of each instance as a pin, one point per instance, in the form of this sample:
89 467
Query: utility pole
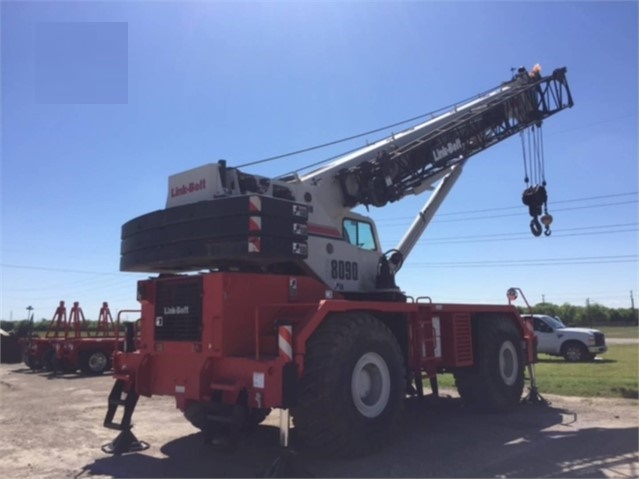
588 312
543 298
632 306
30 319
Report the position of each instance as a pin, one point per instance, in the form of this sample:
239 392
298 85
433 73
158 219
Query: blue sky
102 101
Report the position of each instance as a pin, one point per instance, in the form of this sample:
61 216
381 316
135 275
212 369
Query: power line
521 237
527 237
619 203
403 219
596 123
62 270
523 261
600 197
360 135
387 127
531 262
494 235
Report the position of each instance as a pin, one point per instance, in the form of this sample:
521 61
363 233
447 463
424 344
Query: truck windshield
555 323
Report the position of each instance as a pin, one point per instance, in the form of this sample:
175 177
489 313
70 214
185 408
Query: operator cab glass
359 233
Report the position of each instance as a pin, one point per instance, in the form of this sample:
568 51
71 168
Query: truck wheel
31 362
352 389
496 381
94 363
48 359
574 351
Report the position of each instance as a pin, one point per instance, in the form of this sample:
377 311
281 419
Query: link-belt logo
173 310
447 150
190 188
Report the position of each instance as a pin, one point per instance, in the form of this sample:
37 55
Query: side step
126 440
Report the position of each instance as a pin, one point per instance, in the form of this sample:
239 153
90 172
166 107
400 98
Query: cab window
541 326
359 233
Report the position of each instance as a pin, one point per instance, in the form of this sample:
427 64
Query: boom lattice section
402 168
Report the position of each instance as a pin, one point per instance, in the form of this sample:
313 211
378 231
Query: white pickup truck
574 344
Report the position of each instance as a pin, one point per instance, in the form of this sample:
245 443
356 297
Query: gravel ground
51 428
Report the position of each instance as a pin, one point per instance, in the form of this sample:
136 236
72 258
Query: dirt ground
52 428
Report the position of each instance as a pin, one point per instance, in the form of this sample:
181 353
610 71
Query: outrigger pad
125 442
533 397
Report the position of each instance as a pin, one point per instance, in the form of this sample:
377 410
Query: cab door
546 336
363 254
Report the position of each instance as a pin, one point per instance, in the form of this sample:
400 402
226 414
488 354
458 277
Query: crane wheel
352 389
496 381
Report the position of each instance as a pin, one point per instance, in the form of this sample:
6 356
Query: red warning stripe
285 342
321 230
255 204
254 244
255 223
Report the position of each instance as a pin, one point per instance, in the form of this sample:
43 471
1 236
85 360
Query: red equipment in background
68 345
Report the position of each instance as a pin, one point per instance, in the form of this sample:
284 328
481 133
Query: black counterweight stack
235 232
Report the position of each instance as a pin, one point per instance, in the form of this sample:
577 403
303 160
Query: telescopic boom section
411 161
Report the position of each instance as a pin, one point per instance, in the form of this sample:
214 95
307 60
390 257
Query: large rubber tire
574 351
255 417
352 389
94 363
496 381
31 362
196 414
49 359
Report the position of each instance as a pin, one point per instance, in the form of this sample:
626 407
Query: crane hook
535 226
546 220
535 197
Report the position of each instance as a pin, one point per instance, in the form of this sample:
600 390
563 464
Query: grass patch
613 374
619 331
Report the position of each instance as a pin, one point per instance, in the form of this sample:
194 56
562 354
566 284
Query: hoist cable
360 135
543 159
522 135
431 114
533 178
535 154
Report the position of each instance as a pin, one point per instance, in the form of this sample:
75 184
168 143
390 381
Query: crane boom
408 162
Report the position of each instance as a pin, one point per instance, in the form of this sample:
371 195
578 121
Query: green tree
568 313
7 325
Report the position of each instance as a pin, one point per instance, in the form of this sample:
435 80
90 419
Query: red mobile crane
273 293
